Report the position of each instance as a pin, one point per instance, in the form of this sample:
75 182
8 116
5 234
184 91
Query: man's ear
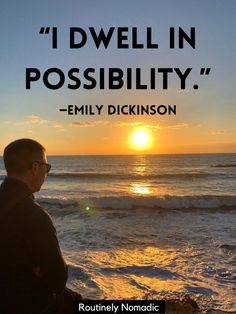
34 168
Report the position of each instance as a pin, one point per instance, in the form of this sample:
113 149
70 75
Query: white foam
129 202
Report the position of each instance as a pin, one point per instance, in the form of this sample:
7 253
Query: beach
147 226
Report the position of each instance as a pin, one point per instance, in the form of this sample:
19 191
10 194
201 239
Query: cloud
223 132
36 120
82 124
152 126
88 124
57 126
33 122
175 126
218 132
29 120
121 124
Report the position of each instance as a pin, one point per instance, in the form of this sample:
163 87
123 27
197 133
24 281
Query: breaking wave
130 202
224 166
130 176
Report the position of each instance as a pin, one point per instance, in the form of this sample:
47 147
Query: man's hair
18 155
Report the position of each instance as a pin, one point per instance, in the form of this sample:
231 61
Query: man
33 273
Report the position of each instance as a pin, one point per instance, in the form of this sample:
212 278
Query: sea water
146 226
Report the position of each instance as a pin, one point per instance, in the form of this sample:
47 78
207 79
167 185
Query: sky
205 118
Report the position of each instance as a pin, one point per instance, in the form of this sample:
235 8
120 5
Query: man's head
26 160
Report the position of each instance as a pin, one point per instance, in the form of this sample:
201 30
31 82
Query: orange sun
141 139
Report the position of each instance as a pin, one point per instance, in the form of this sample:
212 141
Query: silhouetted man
33 273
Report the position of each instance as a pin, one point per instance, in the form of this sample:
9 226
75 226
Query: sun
141 139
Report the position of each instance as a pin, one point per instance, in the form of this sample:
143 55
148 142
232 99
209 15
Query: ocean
146 226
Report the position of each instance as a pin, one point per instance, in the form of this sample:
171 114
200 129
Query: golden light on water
141 139
140 188
138 268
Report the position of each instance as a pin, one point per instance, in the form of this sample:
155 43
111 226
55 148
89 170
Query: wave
136 176
83 175
224 166
141 270
131 202
128 176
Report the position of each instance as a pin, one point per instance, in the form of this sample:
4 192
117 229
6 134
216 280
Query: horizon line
138 154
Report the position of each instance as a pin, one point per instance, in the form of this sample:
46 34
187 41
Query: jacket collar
13 190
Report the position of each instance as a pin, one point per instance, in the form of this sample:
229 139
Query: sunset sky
205 119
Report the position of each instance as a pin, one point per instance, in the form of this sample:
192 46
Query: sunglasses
48 166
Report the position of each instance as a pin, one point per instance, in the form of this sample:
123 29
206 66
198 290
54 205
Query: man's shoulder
33 210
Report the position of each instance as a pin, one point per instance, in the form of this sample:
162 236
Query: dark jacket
27 239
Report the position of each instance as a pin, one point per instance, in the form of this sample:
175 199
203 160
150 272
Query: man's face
40 169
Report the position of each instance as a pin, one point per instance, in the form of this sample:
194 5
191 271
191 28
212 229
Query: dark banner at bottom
119 306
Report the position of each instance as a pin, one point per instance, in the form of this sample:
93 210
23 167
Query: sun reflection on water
126 273
140 170
140 188
140 166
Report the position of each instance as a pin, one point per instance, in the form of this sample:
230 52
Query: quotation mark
203 71
46 31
